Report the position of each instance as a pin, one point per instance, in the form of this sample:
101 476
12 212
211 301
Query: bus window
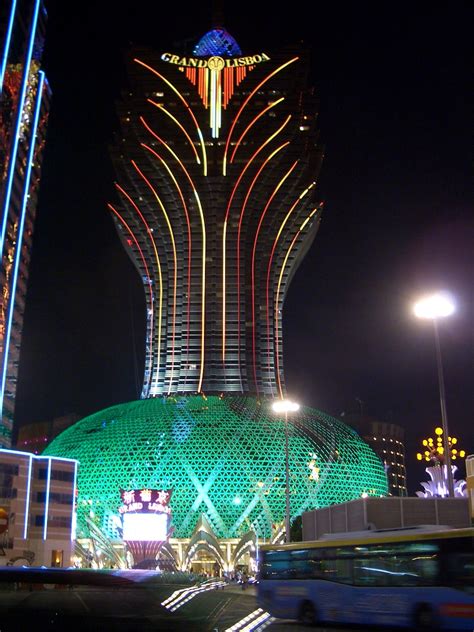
460 571
393 570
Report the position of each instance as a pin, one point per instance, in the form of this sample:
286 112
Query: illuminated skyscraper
24 106
217 161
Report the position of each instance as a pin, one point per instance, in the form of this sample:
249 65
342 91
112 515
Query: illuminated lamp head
217 42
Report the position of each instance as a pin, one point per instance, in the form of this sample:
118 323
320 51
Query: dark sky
395 88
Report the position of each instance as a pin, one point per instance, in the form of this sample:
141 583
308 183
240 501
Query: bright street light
286 406
433 307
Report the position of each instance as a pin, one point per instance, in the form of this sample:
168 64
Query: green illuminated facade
222 456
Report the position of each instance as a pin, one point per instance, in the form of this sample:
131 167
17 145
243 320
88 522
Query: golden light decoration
434 448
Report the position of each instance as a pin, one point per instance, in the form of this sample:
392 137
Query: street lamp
432 308
286 406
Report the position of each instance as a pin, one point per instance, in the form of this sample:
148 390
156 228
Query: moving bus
412 577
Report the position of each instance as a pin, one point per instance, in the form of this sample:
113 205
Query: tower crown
217 41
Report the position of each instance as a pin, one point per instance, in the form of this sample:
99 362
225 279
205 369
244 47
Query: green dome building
223 457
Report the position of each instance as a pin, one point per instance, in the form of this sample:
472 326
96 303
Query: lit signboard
145 514
146 527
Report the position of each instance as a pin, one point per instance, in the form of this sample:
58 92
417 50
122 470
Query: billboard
145 514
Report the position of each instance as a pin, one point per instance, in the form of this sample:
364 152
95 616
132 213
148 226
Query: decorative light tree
434 453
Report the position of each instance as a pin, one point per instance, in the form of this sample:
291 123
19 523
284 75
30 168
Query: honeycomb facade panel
223 457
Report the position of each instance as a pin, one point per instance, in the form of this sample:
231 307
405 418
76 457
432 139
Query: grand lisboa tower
215 202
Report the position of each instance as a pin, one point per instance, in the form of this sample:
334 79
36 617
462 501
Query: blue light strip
46 504
27 501
21 105
7 44
19 239
73 517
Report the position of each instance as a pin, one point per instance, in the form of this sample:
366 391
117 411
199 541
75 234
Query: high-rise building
24 106
217 161
387 440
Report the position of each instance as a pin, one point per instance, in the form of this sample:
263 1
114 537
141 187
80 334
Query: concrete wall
385 513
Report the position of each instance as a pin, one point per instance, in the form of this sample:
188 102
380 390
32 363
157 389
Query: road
139 608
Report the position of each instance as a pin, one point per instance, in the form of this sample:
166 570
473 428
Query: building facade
37 507
24 107
216 160
387 441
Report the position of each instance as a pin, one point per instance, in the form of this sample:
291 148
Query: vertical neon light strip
244 104
46 504
73 515
160 278
252 123
150 361
175 270
224 232
270 261
27 500
173 118
254 250
203 228
21 105
244 205
19 240
6 48
277 300
185 207
176 91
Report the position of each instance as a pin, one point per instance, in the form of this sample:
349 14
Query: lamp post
432 308
286 406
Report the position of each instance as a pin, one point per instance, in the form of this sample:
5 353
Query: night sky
395 87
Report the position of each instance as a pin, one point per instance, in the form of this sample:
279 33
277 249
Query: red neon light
238 241
180 193
138 61
255 119
267 78
148 276
224 256
175 275
203 226
270 200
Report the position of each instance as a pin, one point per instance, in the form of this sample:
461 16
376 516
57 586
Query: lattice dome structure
223 457
217 42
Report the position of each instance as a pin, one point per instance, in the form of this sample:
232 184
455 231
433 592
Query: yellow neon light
175 276
160 303
161 107
269 107
203 228
267 78
176 91
224 232
277 301
185 207
254 250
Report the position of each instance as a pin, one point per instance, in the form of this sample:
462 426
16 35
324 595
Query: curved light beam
224 232
254 120
203 228
158 265
278 149
180 193
145 265
270 261
244 104
177 92
173 118
175 267
254 250
277 301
